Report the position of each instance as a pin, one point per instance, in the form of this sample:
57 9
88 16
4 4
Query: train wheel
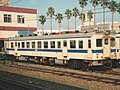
107 63
84 66
115 64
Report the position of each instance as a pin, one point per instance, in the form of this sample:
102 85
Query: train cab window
72 44
112 40
89 43
27 44
58 44
39 44
45 44
18 44
65 43
23 44
12 45
98 42
80 44
52 43
106 41
33 44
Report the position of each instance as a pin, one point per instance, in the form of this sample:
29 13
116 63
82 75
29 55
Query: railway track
104 79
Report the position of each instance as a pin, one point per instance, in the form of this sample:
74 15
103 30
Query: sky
60 6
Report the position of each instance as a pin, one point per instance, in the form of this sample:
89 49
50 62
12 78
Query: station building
14 19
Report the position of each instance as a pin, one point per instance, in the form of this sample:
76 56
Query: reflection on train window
89 43
23 44
64 43
58 44
80 44
112 42
45 44
33 44
99 43
52 43
39 44
28 44
18 44
12 45
106 41
72 44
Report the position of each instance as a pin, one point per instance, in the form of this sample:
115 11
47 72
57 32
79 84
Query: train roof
59 36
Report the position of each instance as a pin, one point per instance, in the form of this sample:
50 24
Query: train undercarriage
72 63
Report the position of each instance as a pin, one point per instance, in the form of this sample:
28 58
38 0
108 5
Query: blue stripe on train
60 50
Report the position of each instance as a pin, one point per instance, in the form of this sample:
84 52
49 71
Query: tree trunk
51 24
42 29
68 25
59 27
103 18
82 20
94 17
112 20
75 23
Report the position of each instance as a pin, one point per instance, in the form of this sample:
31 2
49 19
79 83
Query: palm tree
89 16
82 17
83 3
113 7
118 7
75 14
50 13
95 3
68 12
59 17
104 4
42 20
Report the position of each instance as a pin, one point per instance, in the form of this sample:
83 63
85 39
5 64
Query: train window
58 44
39 44
45 44
15 44
98 42
112 42
27 44
72 44
89 43
52 43
33 44
106 41
12 45
80 44
23 44
64 43
18 44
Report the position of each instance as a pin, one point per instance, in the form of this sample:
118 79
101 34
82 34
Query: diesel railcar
76 50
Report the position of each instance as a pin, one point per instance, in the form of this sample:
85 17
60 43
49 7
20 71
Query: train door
106 47
64 49
89 50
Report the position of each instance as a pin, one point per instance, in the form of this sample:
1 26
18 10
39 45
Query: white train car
116 63
75 49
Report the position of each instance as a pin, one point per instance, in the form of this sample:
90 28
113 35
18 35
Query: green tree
68 13
90 17
42 20
50 13
75 14
83 3
59 18
113 7
82 17
104 4
118 7
95 3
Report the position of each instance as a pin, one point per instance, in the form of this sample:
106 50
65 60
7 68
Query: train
76 50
